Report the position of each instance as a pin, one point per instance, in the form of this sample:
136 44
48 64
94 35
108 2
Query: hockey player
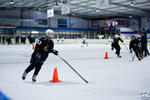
115 44
145 51
140 45
17 39
31 39
84 42
57 39
135 46
62 40
43 47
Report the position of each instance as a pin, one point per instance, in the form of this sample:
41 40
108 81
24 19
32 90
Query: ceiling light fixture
39 9
59 3
132 3
11 2
64 1
97 10
56 3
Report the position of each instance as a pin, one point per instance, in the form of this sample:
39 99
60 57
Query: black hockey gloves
55 52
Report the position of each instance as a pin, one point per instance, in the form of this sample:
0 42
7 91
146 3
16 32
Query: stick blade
86 82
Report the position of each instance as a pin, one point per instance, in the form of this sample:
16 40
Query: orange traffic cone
33 47
55 76
106 55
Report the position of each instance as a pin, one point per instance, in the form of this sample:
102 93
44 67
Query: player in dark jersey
135 45
43 47
115 44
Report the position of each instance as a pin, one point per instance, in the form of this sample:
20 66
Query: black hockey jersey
134 44
116 42
44 45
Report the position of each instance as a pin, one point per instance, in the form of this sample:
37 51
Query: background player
115 44
135 46
84 41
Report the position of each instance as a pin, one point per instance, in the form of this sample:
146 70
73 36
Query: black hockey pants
37 68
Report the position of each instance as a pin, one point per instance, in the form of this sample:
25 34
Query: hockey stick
72 68
133 57
136 55
27 46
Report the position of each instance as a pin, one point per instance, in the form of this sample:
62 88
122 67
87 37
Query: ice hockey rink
109 79
69 23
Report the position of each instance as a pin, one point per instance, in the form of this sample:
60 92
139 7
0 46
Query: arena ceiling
84 8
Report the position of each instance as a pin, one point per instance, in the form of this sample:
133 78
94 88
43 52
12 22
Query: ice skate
119 56
24 75
139 58
34 78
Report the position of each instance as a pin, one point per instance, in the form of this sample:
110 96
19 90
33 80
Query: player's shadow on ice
47 83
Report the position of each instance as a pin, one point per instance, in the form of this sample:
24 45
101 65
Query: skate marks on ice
47 83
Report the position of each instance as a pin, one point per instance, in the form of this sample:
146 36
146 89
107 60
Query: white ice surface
109 79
